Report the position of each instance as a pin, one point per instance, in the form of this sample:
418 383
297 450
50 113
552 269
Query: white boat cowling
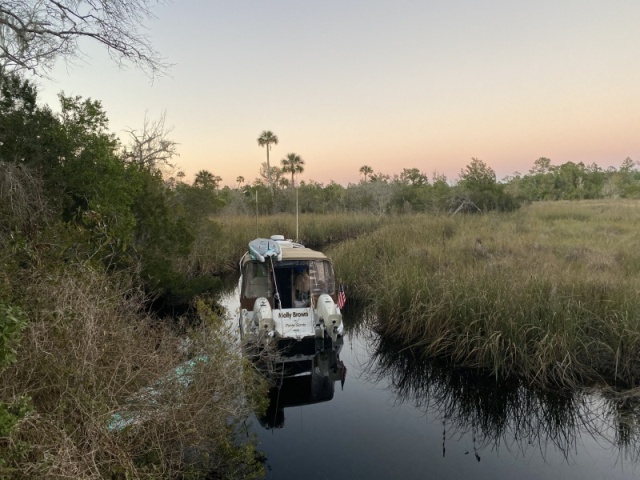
328 311
263 316
285 242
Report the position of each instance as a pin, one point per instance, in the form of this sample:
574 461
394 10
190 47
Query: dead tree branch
34 33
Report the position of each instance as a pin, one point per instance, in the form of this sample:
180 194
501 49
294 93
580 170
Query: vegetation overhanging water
549 295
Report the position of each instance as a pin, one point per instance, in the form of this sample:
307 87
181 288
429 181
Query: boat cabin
301 275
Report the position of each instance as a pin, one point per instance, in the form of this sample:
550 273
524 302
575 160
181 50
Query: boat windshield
322 278
256 282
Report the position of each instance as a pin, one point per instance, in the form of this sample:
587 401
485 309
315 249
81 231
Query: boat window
322 278
256 280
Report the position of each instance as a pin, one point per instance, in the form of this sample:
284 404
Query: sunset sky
405 84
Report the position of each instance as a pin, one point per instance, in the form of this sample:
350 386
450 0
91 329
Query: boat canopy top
297 253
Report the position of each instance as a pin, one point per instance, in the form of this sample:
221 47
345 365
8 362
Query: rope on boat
276 295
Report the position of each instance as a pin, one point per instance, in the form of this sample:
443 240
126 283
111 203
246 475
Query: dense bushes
88 241
90 355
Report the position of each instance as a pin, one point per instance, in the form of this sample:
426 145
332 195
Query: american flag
342 298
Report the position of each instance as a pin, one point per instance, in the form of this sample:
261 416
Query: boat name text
293 314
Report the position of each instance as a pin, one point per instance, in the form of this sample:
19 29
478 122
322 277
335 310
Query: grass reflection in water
506 413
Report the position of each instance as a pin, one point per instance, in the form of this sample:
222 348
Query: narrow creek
389 417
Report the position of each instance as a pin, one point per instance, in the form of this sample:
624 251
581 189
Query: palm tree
206 179
294 164
265 139
366 170
240 180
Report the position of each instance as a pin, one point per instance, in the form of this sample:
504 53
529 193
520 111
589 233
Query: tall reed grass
220 247
549 294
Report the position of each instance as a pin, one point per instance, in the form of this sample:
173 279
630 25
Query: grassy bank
90 355
550 294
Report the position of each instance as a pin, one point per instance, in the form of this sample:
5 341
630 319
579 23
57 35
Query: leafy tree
478 189
629 179
594 179
540 183
628 166
293 164
477 175
258 198
265 139
28 133
576 181
411 192
380 178
270 175
541 165
334 197
201 199
413 176
311 197
360 198
110 211
441 192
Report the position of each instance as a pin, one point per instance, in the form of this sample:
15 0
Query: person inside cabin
302 284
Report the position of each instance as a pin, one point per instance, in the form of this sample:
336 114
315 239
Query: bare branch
34 33
151 147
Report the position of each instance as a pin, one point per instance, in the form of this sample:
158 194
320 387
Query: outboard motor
328 311
263 317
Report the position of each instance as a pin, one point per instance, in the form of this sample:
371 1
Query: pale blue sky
425 84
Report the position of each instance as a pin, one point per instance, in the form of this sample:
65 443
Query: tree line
475 190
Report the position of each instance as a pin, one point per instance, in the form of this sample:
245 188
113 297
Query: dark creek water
374 412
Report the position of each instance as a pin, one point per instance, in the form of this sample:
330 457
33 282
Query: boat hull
265 325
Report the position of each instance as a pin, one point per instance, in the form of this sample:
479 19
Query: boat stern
295 323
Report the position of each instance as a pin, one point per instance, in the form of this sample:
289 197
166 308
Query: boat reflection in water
302 374
505 414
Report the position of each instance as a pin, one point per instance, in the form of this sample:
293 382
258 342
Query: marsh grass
220 249
550 294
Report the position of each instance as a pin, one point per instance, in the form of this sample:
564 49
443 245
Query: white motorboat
288 292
